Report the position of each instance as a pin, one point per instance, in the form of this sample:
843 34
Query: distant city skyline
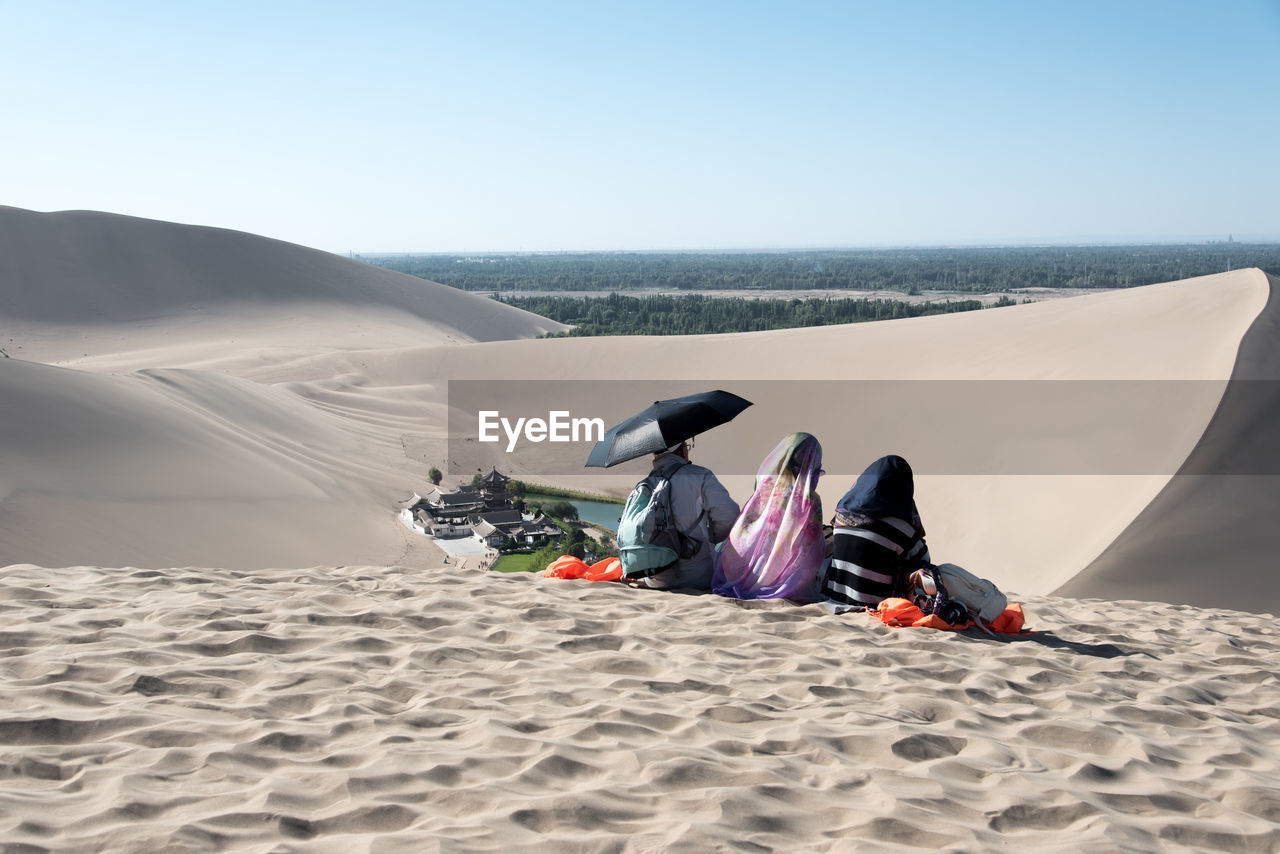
505 127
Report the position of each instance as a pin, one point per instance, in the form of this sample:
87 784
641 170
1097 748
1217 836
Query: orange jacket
567 566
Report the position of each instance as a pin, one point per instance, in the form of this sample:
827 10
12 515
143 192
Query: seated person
776 548
878 538
703 511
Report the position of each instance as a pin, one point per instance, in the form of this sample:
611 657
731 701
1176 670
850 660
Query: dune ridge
1207 537
88 267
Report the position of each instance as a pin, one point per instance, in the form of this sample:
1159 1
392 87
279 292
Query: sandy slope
154 450
389 709
1209 537
378 391
157 466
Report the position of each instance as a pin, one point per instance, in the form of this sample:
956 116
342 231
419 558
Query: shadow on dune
1210 537
1052 641
1043 637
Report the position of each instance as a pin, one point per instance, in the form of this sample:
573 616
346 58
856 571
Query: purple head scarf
775 549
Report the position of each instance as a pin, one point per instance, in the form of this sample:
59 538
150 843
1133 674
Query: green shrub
560 509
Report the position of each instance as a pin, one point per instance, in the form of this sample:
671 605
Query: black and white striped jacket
870 559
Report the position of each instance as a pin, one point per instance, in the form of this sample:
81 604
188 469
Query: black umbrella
664 424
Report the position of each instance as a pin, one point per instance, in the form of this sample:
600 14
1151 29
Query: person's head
886 488
680 449
797 454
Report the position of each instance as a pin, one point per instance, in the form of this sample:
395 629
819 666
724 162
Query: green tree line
966 270
695 314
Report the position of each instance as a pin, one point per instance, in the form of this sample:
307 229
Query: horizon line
1249 240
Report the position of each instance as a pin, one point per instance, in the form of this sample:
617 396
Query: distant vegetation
907 270
695 314
534 490
514 563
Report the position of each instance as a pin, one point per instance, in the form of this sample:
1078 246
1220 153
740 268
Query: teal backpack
648 539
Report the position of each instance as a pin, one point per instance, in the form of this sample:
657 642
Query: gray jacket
695 489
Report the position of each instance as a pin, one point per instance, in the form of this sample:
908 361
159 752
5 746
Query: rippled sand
389 709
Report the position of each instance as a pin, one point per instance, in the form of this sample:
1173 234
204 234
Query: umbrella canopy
664 424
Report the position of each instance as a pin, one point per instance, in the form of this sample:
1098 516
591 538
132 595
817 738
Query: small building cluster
485 513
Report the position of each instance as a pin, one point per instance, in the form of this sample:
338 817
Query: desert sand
373 708
217 637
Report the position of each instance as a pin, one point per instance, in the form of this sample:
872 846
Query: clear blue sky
471 126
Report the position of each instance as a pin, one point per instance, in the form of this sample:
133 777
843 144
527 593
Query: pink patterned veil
775 549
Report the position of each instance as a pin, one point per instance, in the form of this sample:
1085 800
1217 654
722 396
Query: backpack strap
666 472
667 469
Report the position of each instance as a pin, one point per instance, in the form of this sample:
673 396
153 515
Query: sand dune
86 267
377 376
169 466
182 397
153 451
375 708
1033 531
1208 538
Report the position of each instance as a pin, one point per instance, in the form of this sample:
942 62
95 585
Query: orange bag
1011 621
609 569
899 613
565 566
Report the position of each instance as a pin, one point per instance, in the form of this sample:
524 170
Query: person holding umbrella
701 510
